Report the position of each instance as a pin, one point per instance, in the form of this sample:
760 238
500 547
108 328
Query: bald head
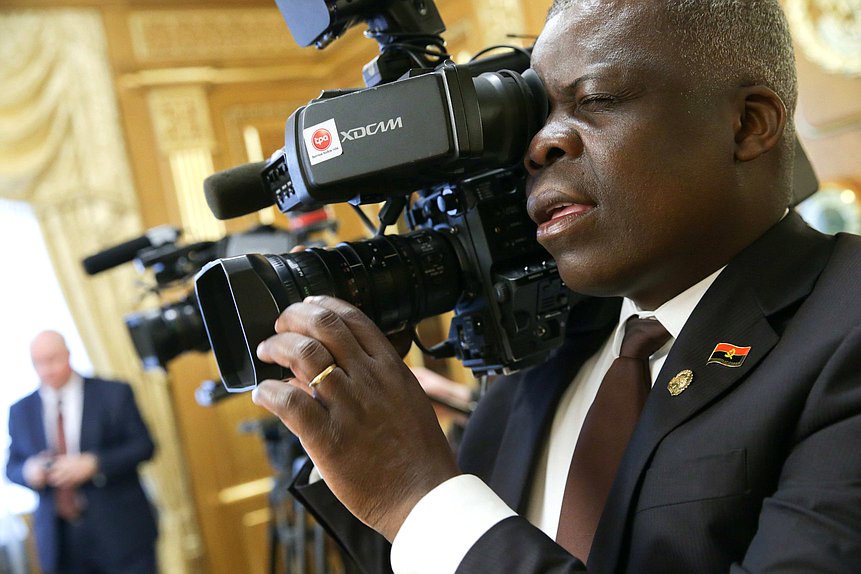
732 41
50 358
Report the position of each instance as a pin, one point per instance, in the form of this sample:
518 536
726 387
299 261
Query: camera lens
394 280
160 335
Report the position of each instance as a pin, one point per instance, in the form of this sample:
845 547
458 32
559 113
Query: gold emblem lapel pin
680 382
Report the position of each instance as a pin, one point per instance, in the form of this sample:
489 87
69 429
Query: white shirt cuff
445 524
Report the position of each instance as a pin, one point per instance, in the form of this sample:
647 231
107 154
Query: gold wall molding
246 490
189 168
62 151
260 517
181 119
829 32
237 119
184 136
207 34
210 76
831 128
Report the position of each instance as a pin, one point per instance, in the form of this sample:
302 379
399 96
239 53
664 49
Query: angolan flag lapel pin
728 355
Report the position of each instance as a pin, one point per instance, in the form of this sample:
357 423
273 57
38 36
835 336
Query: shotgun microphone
237 191
125 252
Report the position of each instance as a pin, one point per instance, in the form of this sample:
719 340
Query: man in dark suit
660 184
78 442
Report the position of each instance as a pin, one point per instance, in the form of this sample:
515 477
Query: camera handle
390 212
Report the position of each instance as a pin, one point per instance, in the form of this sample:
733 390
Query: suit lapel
88 430
774 272
36 419
538 394
664 412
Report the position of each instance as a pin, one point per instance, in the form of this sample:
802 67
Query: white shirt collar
673 314
74 385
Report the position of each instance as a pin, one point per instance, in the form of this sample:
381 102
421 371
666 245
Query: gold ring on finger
322 376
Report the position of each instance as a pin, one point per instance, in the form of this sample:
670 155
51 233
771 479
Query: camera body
160 335
472 250
444 143
513 309
369 145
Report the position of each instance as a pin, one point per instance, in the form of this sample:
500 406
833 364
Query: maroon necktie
65 498
605 435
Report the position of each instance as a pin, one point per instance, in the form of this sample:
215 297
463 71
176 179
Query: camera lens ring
291 294
394 280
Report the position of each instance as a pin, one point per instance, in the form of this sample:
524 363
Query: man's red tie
65 498
605 435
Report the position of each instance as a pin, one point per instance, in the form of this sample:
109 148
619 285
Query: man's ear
760 123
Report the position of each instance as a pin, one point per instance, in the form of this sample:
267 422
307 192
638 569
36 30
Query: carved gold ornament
828 31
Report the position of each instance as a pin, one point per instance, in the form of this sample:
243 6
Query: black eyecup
539 101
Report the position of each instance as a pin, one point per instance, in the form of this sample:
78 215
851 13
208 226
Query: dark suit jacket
755 468
116 510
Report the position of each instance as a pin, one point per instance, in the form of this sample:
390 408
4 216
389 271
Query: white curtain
62 152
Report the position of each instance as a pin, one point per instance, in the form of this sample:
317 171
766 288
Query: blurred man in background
78 442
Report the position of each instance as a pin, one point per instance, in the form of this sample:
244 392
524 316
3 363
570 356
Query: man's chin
594 289
591 278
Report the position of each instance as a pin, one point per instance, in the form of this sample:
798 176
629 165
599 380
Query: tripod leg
273 547
320 566
299 533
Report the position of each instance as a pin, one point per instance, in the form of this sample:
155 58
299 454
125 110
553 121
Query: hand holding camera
356 419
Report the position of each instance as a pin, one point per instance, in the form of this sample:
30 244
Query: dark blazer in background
116 508
755 468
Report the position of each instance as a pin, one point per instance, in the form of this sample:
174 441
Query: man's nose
549 145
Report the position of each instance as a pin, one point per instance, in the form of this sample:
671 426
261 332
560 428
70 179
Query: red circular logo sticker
321 139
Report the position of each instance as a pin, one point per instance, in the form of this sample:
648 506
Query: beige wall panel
220 458
256 529
230 66
533 14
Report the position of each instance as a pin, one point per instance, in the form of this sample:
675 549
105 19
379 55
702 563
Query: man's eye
596 101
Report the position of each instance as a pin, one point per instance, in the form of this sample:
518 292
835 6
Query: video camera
161 334
442 143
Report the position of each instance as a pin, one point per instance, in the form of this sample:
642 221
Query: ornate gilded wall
111 114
